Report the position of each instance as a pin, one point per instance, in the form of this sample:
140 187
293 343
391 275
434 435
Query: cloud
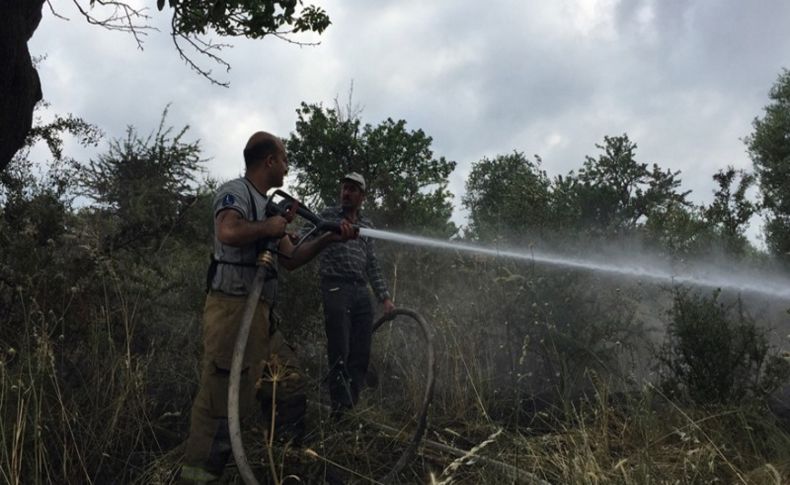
683 79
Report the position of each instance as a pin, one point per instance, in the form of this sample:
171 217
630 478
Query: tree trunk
20 88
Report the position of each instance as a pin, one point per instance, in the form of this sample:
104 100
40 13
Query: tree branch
203 48
123 18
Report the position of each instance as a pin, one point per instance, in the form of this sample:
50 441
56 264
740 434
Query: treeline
102 267
510 196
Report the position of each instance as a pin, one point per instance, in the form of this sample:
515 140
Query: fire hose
235 377
266 263
422 417
234 425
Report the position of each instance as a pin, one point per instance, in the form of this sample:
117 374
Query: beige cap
355 177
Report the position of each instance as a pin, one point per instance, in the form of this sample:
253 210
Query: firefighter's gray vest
235 266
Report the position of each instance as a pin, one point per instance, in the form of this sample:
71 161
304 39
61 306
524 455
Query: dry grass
77 397
640 437
97 393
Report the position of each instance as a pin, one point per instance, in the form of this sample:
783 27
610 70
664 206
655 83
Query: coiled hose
234 425
422 418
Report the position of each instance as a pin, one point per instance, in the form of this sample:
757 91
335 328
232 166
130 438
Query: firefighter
240 223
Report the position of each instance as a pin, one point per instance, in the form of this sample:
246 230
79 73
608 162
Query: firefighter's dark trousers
269 368
348 318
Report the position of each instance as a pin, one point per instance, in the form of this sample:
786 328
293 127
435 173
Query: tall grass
78 396
96 384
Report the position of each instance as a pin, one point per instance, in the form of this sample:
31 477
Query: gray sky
684 79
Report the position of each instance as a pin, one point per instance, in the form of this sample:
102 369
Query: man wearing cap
240 223
345 271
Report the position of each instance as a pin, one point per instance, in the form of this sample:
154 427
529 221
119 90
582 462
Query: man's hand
234 230
290 214
273 227
347 231
388 306
309 249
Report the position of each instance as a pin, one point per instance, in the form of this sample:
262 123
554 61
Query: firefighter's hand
273 227
389 307
290 214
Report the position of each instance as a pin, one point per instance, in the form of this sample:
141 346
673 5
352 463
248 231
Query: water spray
280 203
710 277
701 276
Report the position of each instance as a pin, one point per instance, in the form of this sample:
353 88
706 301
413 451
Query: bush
714 354
98 340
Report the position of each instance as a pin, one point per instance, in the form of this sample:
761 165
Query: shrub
714 354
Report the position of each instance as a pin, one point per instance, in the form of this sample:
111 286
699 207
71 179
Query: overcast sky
684 79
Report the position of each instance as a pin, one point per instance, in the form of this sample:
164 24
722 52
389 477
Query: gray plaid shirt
354 259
